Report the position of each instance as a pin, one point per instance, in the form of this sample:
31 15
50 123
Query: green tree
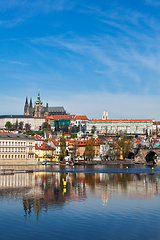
73 135
63 151
93 129
8 126
124 145
90 149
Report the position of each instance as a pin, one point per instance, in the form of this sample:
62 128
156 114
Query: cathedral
39 110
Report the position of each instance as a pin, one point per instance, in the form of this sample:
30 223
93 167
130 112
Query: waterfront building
113 126
39 110
45 151
16 148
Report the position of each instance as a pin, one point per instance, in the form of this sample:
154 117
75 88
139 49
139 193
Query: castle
39 110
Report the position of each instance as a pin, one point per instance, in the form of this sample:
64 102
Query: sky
85 55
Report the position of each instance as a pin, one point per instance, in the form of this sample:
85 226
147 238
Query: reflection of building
16 181
51 190
17 147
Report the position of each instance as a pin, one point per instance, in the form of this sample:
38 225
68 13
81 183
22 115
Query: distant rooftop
15 116
14 136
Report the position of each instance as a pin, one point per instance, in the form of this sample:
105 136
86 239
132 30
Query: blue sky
84 55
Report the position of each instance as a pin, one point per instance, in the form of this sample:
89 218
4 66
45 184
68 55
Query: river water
97 202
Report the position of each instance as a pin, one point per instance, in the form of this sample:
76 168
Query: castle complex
39 110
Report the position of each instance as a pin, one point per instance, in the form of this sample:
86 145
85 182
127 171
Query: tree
15 125
27 127
90 148
63 151
8 126
93 129
20 126
74 149
65 128
46 126
124 145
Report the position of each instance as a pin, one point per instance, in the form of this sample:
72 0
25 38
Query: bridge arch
151 156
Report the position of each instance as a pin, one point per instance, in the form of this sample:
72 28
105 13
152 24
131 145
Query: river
97 202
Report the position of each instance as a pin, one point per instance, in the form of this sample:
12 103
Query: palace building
39 110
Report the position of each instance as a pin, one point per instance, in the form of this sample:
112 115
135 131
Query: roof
81 117
14 136
44 146
122 120
15 116
53 109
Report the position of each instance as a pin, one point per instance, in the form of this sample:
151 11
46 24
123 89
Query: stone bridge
147 155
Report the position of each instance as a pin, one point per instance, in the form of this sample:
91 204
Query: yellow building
45 152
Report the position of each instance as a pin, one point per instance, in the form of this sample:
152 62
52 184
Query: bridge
147 155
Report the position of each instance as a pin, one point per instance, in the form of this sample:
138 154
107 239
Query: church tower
26 108
105 115
38 107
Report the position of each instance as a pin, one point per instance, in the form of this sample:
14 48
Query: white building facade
16 147
130 126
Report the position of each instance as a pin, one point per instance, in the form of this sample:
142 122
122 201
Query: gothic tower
31 106
26 107
38 107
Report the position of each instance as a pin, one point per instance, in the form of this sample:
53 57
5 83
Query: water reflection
42 191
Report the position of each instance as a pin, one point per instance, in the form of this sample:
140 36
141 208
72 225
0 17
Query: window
8 156
15 149
2 156
6 143
2 143
15 156
2 149
18 143
15 143
23 156
18 156
6 149
21 143
12 149
12 156
9 143
12 143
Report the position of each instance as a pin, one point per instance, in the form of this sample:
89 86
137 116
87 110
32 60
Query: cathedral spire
31 106
26 100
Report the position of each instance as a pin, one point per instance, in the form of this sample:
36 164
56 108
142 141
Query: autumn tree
124 145
90 149
74 149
